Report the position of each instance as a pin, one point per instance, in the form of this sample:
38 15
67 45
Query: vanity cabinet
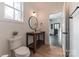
38 40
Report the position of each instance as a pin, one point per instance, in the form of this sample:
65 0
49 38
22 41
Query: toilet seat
22 51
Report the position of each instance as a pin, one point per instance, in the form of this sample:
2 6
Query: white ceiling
46 6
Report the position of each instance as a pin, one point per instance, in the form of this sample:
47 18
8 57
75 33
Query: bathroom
10 26
15 19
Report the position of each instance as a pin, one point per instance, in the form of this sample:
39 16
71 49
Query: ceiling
46 6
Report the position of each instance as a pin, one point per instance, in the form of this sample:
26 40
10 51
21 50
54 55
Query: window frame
12 7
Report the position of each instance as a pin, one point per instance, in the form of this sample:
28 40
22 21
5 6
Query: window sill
11 21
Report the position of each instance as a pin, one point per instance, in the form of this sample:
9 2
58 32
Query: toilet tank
15 42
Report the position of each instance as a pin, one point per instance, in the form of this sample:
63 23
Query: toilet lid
22 50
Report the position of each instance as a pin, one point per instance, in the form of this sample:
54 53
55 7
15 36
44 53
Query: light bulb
34 13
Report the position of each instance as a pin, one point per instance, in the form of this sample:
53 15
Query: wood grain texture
48 51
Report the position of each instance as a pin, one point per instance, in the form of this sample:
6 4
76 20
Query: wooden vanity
38 40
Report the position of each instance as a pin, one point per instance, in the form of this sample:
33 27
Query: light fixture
34 13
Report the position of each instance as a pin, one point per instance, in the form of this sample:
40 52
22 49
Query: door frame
67 30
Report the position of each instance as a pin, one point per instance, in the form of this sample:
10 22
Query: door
56 28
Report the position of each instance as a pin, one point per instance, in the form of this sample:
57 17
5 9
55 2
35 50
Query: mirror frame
30 24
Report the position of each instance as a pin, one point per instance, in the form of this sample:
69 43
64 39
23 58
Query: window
8 12
9 3
13 11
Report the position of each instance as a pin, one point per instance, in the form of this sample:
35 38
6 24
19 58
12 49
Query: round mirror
33 23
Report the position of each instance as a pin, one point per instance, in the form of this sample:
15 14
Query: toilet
16 45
